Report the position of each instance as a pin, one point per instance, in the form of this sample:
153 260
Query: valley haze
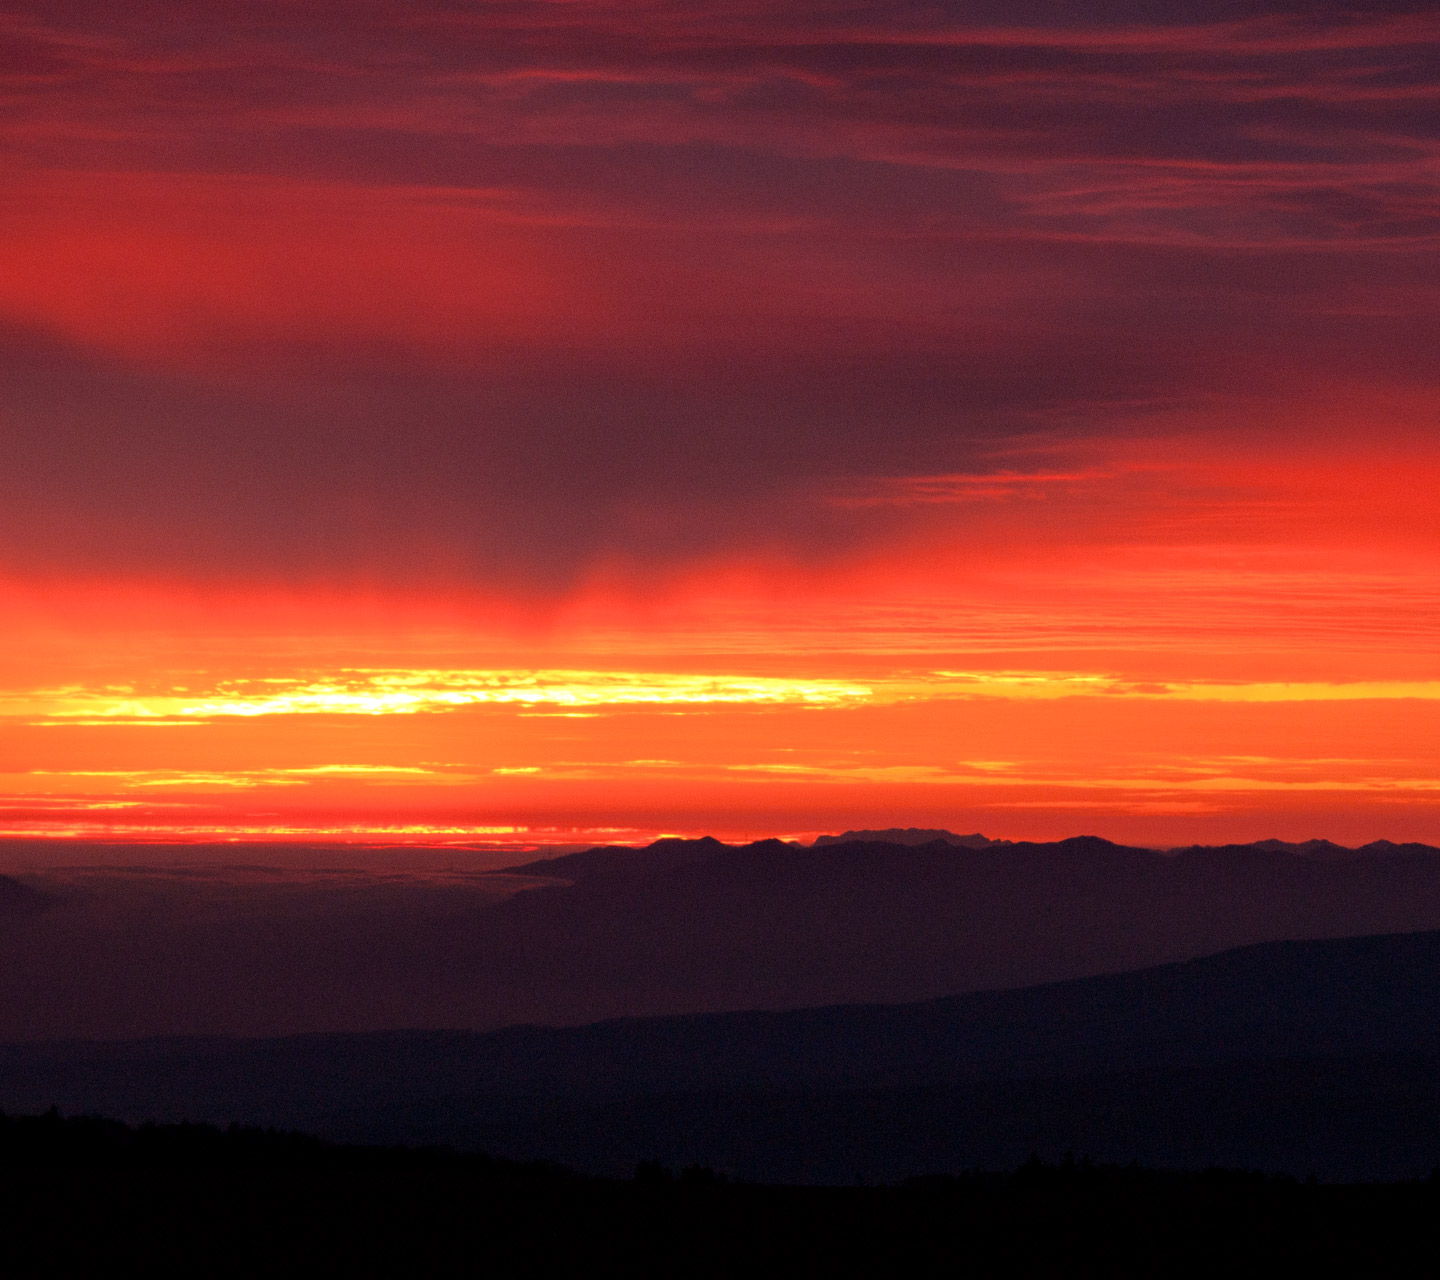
230 941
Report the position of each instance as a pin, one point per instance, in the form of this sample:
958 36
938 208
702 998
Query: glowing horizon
574 418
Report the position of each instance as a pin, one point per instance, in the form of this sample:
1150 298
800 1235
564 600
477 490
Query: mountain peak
910 836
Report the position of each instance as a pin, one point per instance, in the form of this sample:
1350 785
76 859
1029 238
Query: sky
551 421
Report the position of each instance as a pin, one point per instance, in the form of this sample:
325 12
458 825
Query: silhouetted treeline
86 1196
51 1139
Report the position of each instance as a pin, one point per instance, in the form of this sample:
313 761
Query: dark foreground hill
90 1197
1311 1058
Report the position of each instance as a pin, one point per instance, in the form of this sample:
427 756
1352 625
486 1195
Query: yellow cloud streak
273 777
402 692
1302 691
363 692
1027 685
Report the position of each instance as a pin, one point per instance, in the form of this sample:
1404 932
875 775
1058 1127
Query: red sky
531 420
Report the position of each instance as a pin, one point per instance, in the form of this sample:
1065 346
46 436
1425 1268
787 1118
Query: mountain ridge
680 927
910 836
673 852
1338 1038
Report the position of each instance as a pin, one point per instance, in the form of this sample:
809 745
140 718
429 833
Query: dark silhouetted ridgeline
889 916
87 1196
1306 1058
910 836
680 927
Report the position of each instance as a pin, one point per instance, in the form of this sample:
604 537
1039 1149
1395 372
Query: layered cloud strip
378 693
594 693
494 758
680 416
392 288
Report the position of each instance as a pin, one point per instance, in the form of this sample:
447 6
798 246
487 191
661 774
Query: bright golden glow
1161 696
393 692
73 826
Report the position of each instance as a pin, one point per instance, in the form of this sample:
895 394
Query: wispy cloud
203 780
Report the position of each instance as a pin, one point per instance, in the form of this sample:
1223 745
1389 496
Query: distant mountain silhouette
683 926
1317 1057
662 855
910 836
1322 850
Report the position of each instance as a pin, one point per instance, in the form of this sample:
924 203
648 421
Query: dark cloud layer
502 289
